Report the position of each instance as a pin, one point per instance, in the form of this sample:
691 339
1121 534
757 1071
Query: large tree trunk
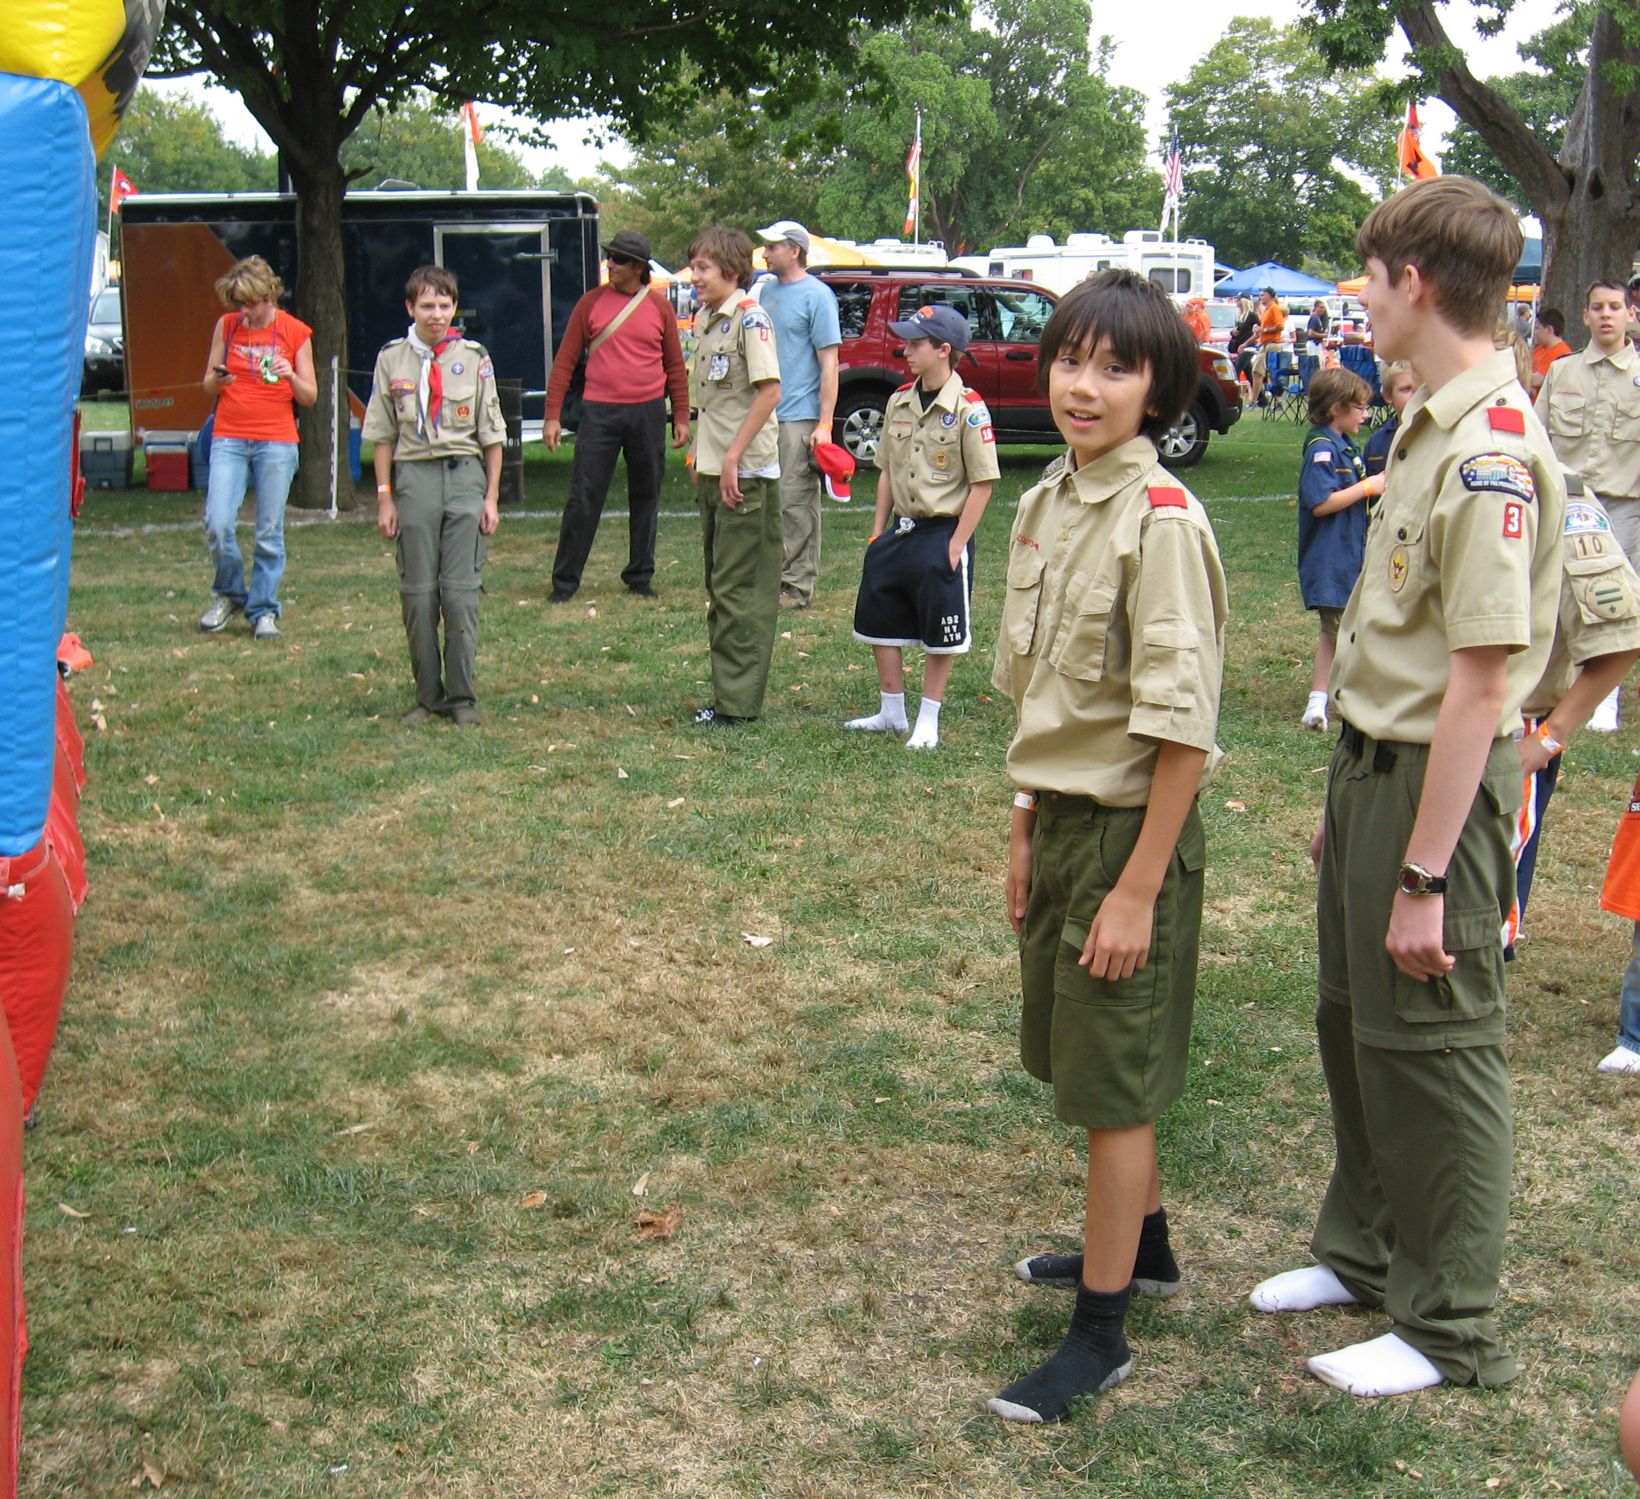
322 303
1591 238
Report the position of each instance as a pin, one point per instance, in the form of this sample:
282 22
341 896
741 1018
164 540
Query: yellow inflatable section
99 47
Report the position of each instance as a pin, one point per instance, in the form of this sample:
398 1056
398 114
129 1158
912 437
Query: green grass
348 997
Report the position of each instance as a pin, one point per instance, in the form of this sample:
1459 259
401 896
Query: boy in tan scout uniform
436 421
1597 640
1590 402
1112 648
736 381
937 463
1447 630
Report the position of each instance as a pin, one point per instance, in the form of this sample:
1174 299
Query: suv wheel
1183 445
859 423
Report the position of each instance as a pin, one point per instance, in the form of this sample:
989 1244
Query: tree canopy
170 145
1270 140
421 142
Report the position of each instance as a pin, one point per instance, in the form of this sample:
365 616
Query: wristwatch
1414 879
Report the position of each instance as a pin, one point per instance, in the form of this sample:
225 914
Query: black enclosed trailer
523 259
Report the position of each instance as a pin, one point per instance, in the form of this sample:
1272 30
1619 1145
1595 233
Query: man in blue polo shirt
806 338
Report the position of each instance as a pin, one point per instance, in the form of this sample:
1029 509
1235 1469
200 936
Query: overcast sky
1157 43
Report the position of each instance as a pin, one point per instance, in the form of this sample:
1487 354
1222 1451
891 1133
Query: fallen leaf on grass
753 941
1234 806
150 780
592 611
472 1147
153 1471
658 1224
621 775
533 1200
63 1207
631 711
356 1129
358 676
641 1186
677 801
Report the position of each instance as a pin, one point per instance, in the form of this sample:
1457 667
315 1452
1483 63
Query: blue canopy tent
1285 281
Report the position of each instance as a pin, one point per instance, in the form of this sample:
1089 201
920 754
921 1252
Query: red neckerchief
435 383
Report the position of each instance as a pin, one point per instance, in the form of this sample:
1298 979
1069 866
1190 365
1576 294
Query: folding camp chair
1358 359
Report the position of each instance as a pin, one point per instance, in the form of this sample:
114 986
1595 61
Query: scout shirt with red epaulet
1112 635
735 353
933 456
1463 552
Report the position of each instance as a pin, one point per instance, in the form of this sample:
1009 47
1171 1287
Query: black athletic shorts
908 593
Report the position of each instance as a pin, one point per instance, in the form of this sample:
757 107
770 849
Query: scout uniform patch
1499 472
1397 569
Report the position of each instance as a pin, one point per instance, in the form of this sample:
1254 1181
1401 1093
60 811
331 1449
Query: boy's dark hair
433 278
1616 286
1554 320
728 249
1463 238
1143 327
1330 388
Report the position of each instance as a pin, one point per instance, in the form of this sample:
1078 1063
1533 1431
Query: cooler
105 459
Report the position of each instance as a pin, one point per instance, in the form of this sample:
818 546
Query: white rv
1182 268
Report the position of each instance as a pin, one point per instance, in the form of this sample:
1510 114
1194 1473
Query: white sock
1385 1366
1300 1291
891 716
1604 718
927 733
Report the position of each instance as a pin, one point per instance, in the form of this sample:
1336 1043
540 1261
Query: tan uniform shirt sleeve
1483 541
381 418
492 427
756 333
1178 654
979 445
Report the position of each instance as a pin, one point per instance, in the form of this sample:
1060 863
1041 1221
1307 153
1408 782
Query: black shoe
559 596
710 718
641 590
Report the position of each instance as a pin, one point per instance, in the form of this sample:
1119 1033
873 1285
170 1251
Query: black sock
1093 1357
1155 1271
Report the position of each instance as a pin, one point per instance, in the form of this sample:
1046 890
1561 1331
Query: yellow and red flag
120 187
913 172
1410 150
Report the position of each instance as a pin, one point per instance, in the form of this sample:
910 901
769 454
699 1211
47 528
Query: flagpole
917 239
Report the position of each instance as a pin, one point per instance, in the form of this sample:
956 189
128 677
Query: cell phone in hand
221 369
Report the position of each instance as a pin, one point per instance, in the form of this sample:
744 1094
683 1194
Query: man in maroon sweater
623 410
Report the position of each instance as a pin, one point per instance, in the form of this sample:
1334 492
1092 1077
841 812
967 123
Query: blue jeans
1628 1012
272 465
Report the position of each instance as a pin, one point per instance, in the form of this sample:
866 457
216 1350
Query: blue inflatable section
48 184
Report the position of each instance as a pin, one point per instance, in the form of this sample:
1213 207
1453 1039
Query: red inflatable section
36 953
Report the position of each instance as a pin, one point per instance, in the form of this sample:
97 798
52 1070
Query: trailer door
506 297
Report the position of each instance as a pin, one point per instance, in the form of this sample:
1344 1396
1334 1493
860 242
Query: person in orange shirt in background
1548 344
1197 321
1272 331
1621 896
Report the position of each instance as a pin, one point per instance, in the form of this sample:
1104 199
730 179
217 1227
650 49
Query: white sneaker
1604 718
265 628
1622 1060
1384 1366
221 610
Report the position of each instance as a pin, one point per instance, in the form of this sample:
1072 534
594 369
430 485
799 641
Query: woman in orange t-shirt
1621 896
261 367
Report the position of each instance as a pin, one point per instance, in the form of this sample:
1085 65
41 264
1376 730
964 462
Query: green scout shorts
1115 1052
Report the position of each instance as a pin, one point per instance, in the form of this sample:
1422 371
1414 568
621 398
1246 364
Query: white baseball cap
785 229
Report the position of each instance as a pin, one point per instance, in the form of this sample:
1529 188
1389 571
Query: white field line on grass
360 517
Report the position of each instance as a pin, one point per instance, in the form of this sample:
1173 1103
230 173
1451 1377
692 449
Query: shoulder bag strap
619 318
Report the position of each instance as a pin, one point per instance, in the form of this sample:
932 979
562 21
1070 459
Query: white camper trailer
1182 268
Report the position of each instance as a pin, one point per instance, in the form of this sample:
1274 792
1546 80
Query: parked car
104 345
1005 318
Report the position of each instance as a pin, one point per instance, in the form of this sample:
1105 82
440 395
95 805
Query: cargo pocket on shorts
1474 936
1024 599
1080 649
1073 981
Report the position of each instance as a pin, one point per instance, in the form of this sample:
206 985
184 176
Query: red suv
1005 319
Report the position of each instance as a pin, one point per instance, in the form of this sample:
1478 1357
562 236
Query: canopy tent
1530 267
822 252
1282 279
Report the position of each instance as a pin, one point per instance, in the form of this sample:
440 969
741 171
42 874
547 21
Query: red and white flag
120 187
913 172
471 135
1410 149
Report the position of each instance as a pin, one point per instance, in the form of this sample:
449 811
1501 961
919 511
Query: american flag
1173 175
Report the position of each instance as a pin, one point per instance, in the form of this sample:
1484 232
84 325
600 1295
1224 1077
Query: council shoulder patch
1583 518
1166 497
1506 419
756 318
1498 473
486 371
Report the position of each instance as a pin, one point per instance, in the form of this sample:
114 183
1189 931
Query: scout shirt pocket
460 396
1084 631
1401 562
1567 413
1024 600
1626 415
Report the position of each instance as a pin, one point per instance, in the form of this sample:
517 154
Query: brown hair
1333 388
1463 239
251 280
728 249
433 278
1616 286
1144 328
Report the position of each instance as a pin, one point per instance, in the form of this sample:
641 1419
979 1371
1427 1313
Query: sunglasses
622 260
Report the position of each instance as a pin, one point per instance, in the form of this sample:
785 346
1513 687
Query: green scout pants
1114 1051
1415 1215
441 557
743 556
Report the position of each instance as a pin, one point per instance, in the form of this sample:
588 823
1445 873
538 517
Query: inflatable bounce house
68 68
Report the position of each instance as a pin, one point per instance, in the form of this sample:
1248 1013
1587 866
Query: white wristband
1025 801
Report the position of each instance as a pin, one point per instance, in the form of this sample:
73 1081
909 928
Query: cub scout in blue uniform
1112 648
1447 631
937 462
1333 494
